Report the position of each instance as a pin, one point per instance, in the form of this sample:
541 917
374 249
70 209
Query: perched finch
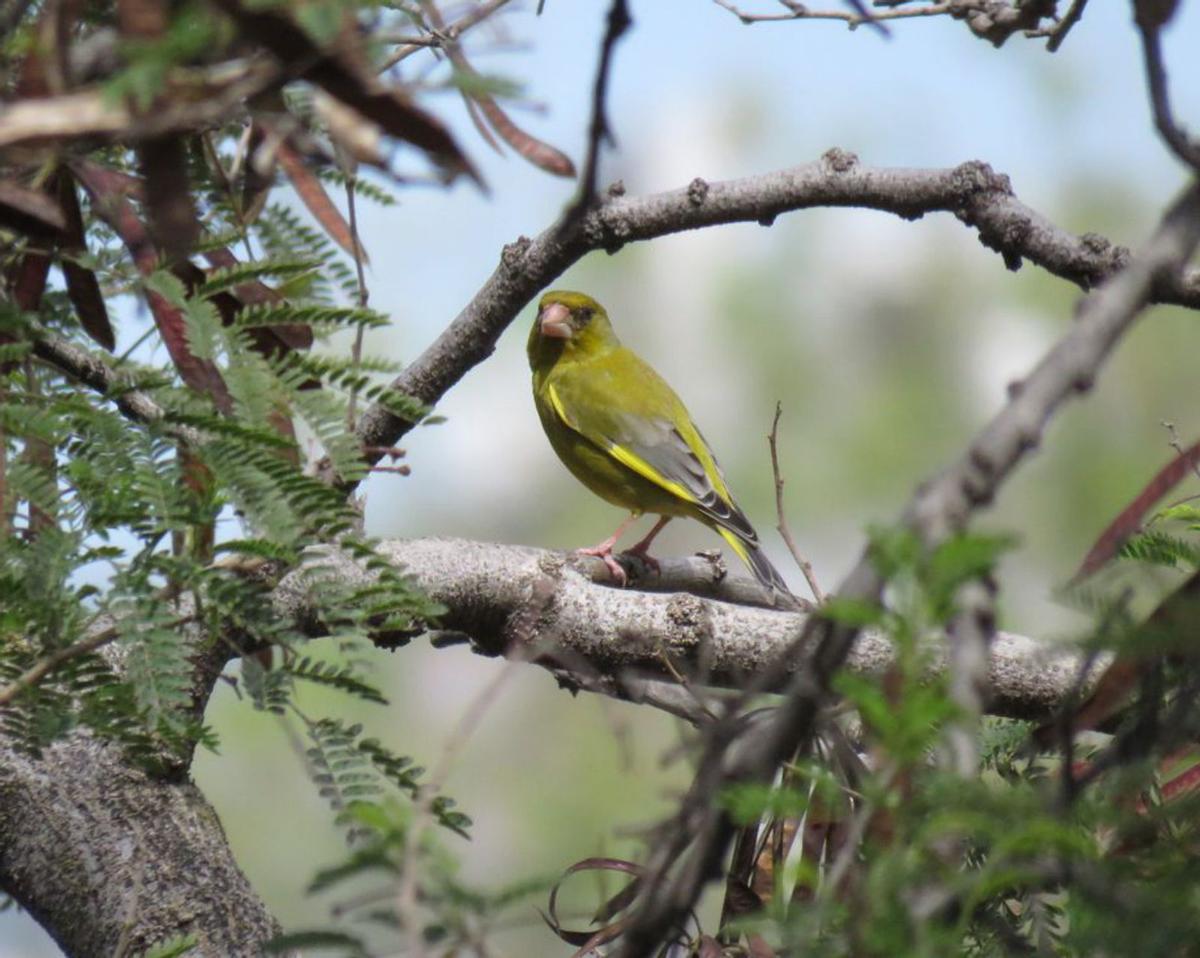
623 432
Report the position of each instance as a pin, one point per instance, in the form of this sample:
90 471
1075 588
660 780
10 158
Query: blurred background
888 343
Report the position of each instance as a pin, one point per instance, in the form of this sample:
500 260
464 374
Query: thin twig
1176 137
784 530
1060 30
363 295
599 128
797 11
44 666
1175 444
440 38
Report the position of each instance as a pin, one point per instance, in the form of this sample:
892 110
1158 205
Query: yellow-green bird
618 426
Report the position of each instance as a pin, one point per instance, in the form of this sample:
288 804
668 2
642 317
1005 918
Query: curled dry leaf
588 941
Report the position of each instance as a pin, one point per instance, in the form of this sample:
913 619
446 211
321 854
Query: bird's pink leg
641 550
605 549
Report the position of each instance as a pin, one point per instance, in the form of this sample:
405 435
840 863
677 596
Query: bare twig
980 198
1187 455
1058 33
797 11
781 516
440 38
599 130
47 664
363 295
1150 22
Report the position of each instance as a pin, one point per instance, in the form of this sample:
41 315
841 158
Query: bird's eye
584 315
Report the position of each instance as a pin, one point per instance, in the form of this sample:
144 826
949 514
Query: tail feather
756 559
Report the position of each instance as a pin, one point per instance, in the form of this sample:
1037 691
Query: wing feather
657 450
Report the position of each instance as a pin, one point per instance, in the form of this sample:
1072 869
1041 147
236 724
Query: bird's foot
642 552
605 551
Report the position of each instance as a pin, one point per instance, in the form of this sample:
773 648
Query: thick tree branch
515 600
975 194
110 860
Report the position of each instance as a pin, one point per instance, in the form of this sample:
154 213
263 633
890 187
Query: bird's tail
756 559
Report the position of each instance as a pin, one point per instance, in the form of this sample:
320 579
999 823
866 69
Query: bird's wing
658 443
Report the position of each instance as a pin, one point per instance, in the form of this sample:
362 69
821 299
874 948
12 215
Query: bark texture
111 861
520 601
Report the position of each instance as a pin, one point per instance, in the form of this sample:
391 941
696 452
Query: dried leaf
588 940
539 153
30 212
173 222
312 192
709 947
291 335
142 18
1129 520
83 289
339 76
116 210
27 280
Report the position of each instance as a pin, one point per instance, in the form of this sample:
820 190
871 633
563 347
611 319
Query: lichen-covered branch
515 600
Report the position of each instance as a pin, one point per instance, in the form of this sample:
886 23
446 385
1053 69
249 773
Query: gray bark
111 861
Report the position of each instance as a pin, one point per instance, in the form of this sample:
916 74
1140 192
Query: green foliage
176 947
398 876
1039 853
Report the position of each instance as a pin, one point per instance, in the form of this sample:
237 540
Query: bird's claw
604 551
642 554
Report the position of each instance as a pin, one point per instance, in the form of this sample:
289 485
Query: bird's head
569 325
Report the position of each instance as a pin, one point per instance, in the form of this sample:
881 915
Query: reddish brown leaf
1175 616
312 191
709 947
758 947
173 223
480 125
27 280
1129 520
290 335
1182 785
142 18
539 153
30 212
346 81
82 286
116 210
108 180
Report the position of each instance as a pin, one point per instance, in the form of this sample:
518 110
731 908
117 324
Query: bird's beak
555 321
